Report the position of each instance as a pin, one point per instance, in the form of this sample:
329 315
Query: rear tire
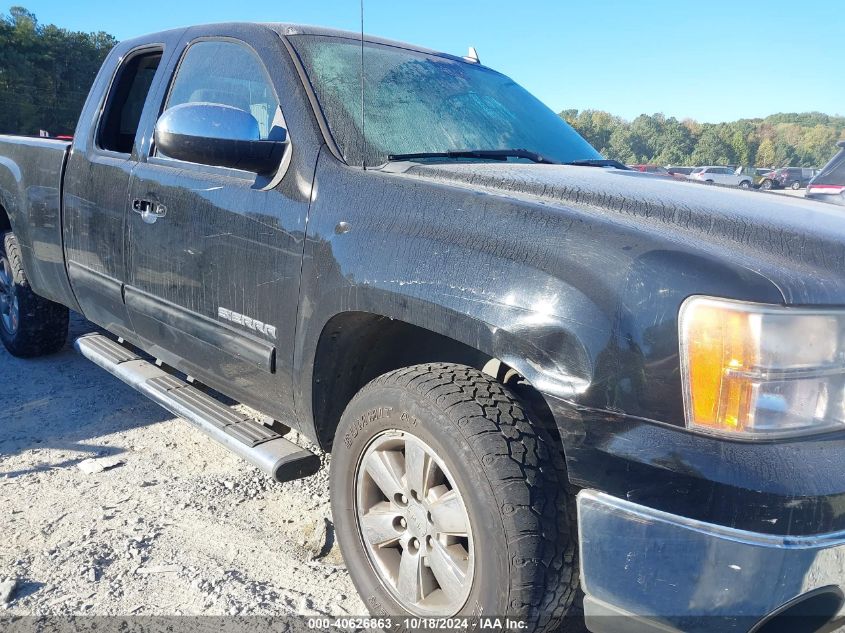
796 185
29 325
745 184
519 555
766 185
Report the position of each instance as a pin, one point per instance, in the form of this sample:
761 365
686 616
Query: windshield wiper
490 154
504 154
597 162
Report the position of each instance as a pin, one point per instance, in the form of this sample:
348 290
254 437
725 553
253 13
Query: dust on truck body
537 372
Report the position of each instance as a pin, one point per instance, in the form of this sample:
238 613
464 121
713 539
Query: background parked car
756 174
680 172
760 174
720 176
829 184
792 177
657 170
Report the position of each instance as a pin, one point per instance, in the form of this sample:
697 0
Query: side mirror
216 134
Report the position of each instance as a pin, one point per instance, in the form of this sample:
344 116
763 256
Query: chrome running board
256 443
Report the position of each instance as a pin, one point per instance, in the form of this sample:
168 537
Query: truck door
96 185
213 275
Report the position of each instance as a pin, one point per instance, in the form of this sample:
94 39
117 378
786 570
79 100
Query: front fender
409 257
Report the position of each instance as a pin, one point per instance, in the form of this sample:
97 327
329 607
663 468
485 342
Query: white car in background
721 176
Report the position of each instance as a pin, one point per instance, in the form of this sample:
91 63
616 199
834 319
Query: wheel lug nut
403 522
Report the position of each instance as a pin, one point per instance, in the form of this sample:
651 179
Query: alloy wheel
414 524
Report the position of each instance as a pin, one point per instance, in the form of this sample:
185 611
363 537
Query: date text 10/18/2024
420 624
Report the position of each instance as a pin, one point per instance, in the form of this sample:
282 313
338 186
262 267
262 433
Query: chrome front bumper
647 570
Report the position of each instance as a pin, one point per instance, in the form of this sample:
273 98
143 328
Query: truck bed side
31 171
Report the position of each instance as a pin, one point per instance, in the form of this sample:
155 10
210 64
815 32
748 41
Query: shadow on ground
65 402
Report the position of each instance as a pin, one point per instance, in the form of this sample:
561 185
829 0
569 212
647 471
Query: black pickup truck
544 379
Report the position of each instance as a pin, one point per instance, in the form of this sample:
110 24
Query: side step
259 445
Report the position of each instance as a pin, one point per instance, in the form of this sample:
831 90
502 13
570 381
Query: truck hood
798 244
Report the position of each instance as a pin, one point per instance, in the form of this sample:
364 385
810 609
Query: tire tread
539 514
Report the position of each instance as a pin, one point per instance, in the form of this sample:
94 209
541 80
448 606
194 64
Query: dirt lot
799 193
181 526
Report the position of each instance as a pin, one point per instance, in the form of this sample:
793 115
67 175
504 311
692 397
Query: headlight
758 371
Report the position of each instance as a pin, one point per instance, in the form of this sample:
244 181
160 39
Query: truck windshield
418 102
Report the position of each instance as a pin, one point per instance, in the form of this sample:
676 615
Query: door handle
150 211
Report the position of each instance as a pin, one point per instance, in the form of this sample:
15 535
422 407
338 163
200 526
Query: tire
29 325
708 182
796 185
745 184
520 556
766 185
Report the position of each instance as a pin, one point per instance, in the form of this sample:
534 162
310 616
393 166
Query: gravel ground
788 192
178 526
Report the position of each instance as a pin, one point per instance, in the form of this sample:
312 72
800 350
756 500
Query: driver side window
227 73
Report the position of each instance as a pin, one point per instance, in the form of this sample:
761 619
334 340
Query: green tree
45 73
712 149
765 153
741 149
675 144
594 125
646 132
785 154
620 146
805 139
818 145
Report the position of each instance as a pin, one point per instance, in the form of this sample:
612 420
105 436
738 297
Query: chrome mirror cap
217 134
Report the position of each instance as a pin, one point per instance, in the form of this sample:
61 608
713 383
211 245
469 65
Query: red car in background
656 170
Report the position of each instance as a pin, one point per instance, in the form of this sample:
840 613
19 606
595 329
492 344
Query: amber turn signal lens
720 349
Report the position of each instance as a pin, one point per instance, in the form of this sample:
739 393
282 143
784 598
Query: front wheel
448 501
29 325
766 185
796 186
745 184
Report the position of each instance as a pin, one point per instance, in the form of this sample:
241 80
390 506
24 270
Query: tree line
779 140
45 73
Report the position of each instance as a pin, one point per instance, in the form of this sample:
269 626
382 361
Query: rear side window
226 73
125 103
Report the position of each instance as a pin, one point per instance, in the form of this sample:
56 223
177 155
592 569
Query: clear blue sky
712 60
